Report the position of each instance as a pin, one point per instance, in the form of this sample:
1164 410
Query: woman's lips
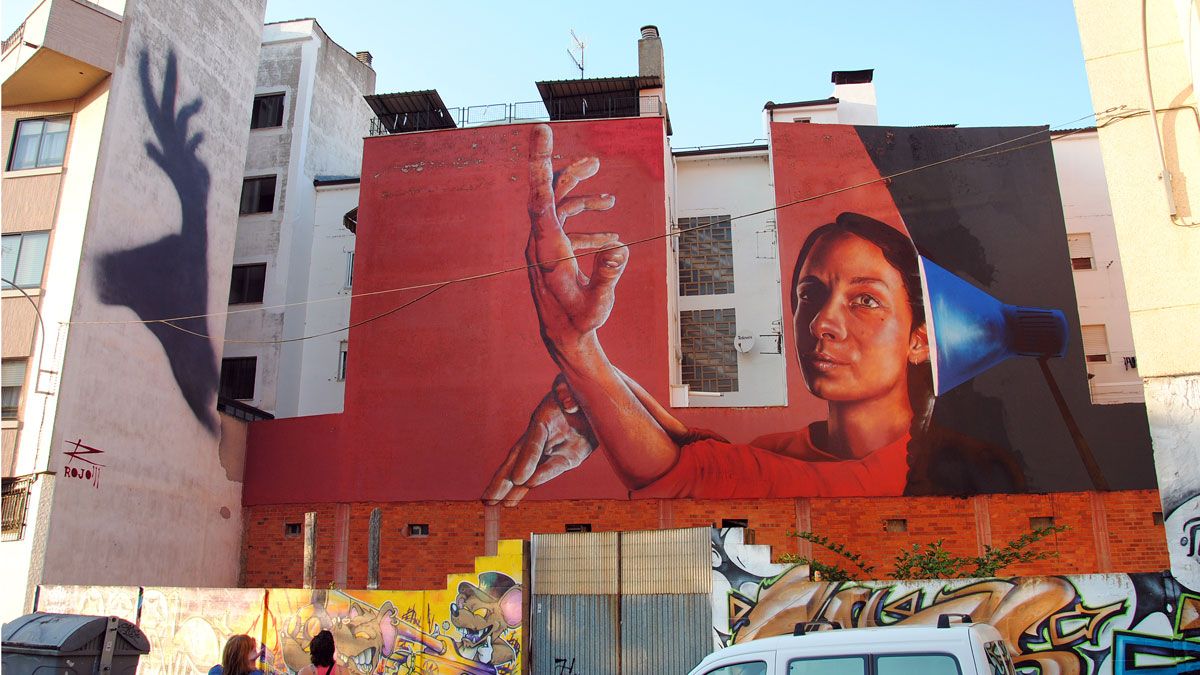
823 362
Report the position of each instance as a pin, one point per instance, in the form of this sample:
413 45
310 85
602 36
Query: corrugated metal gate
633 603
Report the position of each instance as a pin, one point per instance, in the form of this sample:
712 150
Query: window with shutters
24 257
1080 248
13 374
1095 343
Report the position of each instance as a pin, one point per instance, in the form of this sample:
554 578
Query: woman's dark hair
321 648
901 254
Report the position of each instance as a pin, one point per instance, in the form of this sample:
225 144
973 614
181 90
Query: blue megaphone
970 331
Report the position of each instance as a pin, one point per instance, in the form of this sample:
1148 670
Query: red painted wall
437 393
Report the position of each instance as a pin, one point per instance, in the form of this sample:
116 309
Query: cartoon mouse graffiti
482 614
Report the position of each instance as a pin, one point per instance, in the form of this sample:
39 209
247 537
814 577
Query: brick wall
457 531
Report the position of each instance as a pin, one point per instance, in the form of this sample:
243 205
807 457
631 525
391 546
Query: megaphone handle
1081 444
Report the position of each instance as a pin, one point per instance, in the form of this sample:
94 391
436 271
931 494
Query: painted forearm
636 443
670 424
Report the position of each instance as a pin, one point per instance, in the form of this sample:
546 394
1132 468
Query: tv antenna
580 44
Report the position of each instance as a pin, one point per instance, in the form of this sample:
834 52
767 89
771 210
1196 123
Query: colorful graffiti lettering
1073 625
471 627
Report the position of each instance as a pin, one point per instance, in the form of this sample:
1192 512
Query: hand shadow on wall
169 277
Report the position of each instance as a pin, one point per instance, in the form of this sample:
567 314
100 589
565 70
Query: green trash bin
71 644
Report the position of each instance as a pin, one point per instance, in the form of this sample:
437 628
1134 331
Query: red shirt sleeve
714 470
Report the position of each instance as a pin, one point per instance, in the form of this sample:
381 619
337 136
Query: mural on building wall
1072 625
880 332
169 277
933 346
472 627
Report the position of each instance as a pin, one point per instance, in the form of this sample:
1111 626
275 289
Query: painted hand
557 439
570 304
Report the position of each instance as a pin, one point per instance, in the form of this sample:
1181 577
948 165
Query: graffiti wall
1069 625
473 626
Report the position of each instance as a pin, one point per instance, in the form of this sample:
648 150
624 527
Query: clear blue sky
973 63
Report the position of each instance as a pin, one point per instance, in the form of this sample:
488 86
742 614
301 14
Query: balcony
580 108
63 49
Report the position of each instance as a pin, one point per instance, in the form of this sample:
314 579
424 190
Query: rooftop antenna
580 44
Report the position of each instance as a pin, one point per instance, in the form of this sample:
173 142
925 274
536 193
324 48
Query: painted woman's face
853 325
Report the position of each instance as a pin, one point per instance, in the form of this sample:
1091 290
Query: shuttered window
1095 343
1080 248
12 372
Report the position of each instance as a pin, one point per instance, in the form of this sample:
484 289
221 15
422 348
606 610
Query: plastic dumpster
71 644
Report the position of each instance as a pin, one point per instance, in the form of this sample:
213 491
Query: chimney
650 53
365 57
855 92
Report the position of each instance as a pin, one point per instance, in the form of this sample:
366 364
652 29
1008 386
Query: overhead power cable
986 151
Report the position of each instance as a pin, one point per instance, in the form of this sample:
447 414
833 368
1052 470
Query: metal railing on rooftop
13 39
592 107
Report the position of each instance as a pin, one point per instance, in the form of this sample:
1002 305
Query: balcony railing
597 107
14 39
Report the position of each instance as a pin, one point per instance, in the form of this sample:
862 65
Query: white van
946 649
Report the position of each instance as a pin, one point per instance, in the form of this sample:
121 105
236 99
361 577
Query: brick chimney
365 57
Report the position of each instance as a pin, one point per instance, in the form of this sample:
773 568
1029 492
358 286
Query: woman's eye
866 300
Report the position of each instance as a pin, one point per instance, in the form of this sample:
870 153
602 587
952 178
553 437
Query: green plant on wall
931 561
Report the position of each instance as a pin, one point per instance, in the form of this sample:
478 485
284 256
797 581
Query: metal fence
575 108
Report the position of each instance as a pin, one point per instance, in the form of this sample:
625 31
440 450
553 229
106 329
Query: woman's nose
828 324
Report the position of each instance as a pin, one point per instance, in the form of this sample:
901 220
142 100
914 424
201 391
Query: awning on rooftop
596 97
411 111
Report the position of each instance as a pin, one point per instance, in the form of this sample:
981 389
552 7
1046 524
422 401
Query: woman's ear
918 345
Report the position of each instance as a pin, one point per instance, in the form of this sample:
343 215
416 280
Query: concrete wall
1156 227
1101 291
157 243
734 184
321 391
325 120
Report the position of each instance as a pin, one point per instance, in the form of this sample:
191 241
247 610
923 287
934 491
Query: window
418 529
16 503
24 256
1157 518
267 112
237 377
349 269
13 374
837 665
895 525
39 143
1080 248
802 120
343 350
916 664
292 529
705 255
246 284
579 527
1041 522
1095 343
727 523
709 357
749 668
258 195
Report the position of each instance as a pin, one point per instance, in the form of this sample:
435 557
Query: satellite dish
744 342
